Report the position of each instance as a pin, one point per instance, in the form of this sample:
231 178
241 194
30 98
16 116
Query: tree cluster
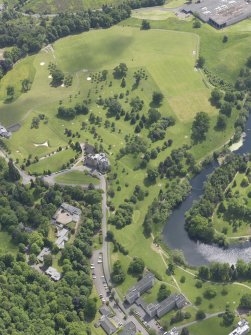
70 113
198 222
122 216
178 164
161 208
25 213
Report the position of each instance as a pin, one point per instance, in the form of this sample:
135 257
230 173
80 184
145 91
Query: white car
94 277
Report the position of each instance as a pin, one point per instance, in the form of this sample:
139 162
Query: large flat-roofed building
242 328
142 286
107 325
67 214
220 13
161 308
53 273
129 329
174 301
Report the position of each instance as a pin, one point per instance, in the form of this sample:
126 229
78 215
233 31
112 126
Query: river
176 237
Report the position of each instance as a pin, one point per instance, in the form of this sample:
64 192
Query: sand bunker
45 144
42 63
50 76
237 145
62 85
194 52
88 78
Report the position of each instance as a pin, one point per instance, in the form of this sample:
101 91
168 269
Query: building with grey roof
242 328
62 237
220 13
67 214
167 305
71 209
44 252
53 273
129 329
105 310
173 331
140 287
4 132
161 308
97 161
107 325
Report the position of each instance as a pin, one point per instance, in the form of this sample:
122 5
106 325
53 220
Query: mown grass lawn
6 244
77 178
220 57
211 326
53 163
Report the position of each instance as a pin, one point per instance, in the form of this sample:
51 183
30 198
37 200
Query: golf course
165 60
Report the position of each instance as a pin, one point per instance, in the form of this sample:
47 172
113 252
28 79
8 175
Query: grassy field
56 6
76 178
53 163
211 326
212 48
6 245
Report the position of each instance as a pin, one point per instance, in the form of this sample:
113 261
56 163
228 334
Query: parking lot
98 276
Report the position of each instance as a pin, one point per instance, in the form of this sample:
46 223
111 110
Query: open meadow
167 57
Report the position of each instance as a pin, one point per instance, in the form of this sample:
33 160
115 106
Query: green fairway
54 6
76 178
220 57
168 56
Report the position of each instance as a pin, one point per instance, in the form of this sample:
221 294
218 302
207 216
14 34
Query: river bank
175 235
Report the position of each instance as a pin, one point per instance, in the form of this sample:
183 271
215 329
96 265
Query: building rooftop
62 237
45 251
242 328
89 149
53 273
4 132
66 214
129 329
140 284
71 209
173 331
105 310
107 325
220 11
